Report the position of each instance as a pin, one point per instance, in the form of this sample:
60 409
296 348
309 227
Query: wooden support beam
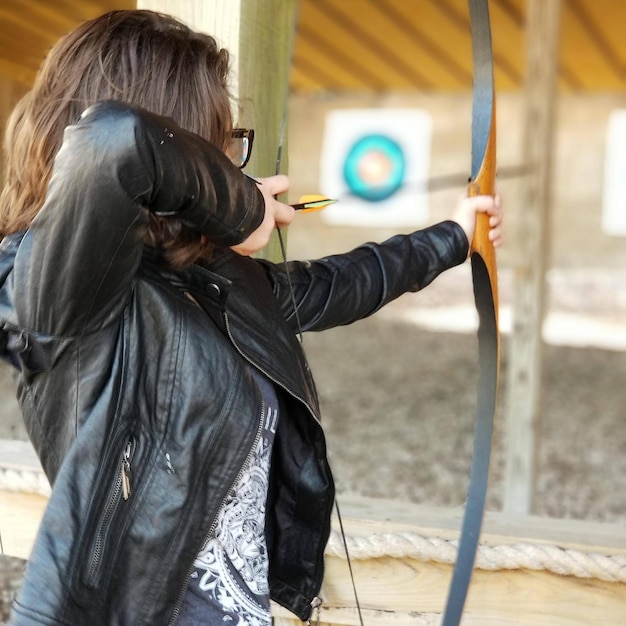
407 592
531 257
402 590
258 35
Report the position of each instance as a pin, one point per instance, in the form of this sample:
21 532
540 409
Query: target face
374 168
614 197
375 163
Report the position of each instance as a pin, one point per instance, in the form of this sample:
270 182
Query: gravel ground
398 403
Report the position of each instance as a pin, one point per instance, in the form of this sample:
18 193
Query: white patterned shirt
229 583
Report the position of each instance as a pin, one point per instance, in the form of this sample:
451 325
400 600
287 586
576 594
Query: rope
550 558
24 481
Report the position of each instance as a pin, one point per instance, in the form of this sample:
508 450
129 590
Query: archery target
375 163
374 168
614 200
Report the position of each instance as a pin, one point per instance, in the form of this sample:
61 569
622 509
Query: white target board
375 162
614 200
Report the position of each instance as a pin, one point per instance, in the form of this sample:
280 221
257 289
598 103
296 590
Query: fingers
281 214
493 208
276 214
273 185
486 204
495 233
468 208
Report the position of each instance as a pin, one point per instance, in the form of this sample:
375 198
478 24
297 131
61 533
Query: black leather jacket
133 379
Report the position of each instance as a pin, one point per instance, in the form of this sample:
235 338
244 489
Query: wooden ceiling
374 44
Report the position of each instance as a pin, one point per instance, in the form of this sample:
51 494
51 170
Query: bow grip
484 184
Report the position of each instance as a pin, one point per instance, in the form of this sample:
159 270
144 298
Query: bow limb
484 273
483 174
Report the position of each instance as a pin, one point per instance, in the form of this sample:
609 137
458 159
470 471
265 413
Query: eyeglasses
240 146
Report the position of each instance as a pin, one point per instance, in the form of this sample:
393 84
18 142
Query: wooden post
532 240
258 35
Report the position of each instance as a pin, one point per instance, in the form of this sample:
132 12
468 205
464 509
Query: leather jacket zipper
122 485
316 601
277 382
209 534
125 470
316 605
249 360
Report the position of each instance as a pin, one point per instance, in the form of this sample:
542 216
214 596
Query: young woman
157 364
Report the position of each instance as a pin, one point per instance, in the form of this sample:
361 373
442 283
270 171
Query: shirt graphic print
229 583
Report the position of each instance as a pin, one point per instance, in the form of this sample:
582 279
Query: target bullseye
374 168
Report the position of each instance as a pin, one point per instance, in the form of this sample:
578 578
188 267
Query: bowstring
349 560
283 251
279 158
292 295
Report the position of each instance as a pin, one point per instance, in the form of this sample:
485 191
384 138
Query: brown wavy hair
140 57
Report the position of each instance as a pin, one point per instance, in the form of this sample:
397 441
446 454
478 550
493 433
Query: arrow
312 202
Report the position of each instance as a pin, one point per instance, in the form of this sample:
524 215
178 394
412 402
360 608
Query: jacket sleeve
344 288
76 265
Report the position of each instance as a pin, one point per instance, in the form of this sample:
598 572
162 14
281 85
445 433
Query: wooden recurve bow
484 274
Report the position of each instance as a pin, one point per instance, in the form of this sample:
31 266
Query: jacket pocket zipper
121 485
211 531
125 470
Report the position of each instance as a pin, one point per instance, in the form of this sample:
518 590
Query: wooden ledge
364 516
409 592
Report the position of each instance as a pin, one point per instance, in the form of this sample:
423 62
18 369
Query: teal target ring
374 168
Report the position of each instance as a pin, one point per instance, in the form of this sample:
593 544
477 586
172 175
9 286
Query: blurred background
398 390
